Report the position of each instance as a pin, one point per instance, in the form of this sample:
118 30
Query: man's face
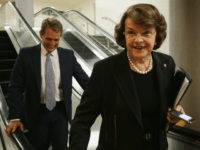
50 39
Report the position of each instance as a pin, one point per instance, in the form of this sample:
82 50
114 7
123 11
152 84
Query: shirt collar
44 51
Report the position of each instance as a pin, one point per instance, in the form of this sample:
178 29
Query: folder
181 82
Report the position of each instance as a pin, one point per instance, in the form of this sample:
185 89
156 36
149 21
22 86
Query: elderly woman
130 90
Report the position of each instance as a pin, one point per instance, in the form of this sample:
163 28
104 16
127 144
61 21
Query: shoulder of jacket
107 61
65 49
162 55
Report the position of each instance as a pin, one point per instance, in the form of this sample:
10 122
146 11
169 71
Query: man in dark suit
43 73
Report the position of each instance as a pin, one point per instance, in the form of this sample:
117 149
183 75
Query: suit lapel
64 66
36 55
126 84
161 76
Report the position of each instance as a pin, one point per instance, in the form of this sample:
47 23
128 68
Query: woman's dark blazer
111 92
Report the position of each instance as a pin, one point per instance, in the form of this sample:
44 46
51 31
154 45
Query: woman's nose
138 38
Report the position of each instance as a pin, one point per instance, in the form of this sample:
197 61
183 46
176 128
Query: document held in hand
181 82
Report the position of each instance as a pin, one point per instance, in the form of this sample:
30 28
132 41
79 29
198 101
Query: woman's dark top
147 89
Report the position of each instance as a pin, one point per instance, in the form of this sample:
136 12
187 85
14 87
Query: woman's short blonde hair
145 15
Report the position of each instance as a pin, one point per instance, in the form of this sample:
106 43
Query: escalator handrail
97 27
19 138
185 135
23 20
99 50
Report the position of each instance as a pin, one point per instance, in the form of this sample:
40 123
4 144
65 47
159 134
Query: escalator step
87 56
7 63
6 46
101 39
70 38
114 47
3 33
8 55
5 40
99 36
4 86
5 74
74 43
81 49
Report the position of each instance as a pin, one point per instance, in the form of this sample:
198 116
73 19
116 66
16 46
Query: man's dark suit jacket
111 92
26 79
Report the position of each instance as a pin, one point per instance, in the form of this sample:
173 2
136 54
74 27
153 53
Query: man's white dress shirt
57 78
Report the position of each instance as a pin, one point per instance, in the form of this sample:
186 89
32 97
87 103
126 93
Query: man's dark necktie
50 88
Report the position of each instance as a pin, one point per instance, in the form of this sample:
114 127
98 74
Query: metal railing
91 29
106 18
68 25
185 135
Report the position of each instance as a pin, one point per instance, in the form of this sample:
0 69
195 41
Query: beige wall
87 8
39 4
184 47
2 2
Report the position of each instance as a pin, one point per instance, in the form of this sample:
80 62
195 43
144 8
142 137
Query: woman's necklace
138 71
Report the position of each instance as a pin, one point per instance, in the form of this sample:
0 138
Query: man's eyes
52 39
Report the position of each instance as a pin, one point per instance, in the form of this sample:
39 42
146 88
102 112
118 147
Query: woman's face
140 40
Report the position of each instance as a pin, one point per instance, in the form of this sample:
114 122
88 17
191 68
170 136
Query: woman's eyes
146 32
131 32
143 33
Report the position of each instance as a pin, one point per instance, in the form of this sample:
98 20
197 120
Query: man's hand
12 126
174 119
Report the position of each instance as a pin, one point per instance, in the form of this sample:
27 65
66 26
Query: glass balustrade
73 37
96 33
11 18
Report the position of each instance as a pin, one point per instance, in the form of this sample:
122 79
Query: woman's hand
173 119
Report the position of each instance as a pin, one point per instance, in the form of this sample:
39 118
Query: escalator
8 56
92 30
83 51
7 59
73 37
16 33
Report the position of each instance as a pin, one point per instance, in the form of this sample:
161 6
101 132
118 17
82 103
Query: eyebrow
134 30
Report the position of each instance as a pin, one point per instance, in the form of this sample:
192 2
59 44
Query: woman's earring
155 43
